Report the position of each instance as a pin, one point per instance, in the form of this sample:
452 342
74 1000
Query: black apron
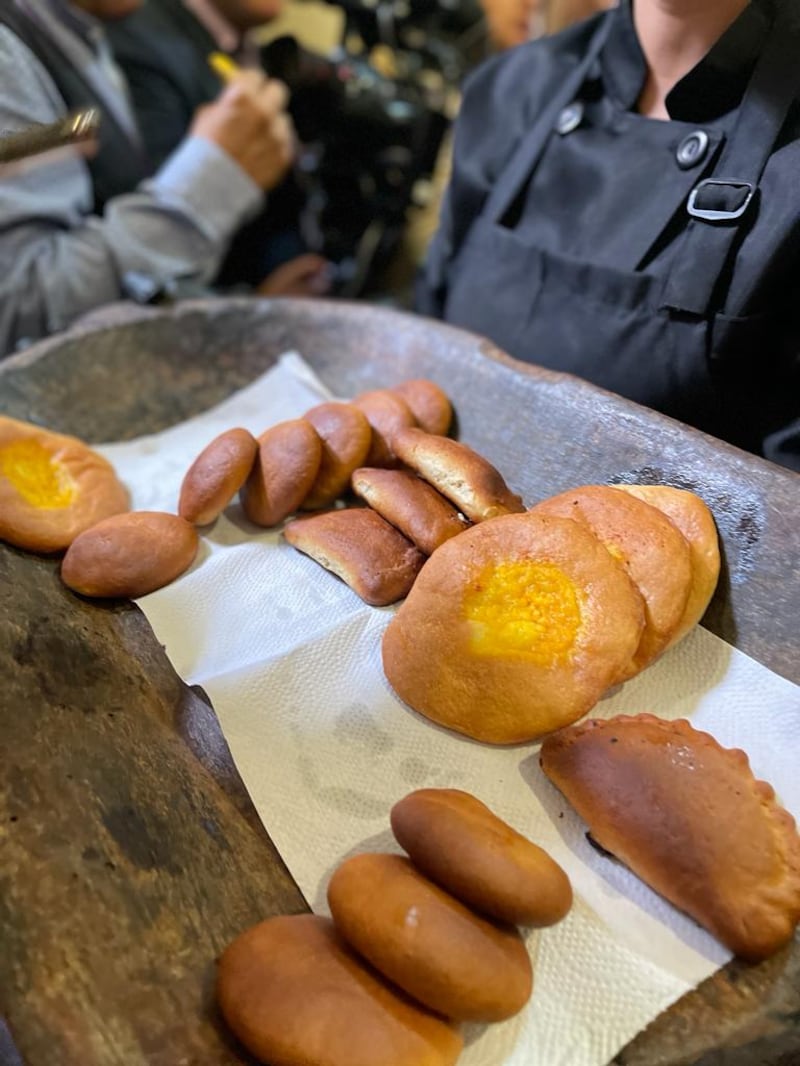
659 341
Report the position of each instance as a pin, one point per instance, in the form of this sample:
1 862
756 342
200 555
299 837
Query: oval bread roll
386 413
650 547
513 629
216 476
459 473
410 504
456 841
361 548
430 945
688 817
429 404
286 466
52 487
346 436
294 994
694 519
130 555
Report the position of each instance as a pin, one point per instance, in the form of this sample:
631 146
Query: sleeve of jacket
57 260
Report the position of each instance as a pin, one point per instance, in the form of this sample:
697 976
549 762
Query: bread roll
456 841
357 545
695 521
52 487
130 555
286 466
346 436
433 947
386 413
216 476
410 504
429 404
514 628
295 995
688 817
650 547
464 477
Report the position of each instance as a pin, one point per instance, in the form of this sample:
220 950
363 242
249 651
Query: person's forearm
176 226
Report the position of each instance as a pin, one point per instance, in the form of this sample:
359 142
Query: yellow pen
223 66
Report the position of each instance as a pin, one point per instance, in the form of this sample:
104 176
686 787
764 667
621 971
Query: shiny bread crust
216 475
410 504
689 817
468 480
361 548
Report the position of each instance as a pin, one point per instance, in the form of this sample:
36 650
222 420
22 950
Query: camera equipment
370 138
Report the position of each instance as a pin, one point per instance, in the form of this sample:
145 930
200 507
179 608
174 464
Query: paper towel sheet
291 660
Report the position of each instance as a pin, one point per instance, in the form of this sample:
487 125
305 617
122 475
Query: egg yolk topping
524 607
36 475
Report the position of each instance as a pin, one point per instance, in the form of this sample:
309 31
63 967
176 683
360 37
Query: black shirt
571 274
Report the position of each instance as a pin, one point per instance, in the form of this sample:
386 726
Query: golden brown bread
459 473
386 413
514 628
433 947
688 817
410 504
346 436
52 487
286 466
456 841
651 548
361 548
429 403
130 555
216 476
295 995
695 521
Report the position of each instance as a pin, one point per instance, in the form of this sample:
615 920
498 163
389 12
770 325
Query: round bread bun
463 847
295 994
386 413
459 473
410 504
513 629
216 476
130 555
437 950
361 548
346 436
52 487
689 818
693 518
650 547
429 404
286 466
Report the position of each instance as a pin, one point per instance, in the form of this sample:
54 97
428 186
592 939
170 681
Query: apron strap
718 204
524 159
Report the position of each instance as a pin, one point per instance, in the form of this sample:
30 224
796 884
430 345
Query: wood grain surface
131 853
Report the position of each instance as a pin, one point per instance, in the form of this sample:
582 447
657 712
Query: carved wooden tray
131 853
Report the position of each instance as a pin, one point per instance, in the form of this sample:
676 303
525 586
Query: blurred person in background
78 233
163 48
624 206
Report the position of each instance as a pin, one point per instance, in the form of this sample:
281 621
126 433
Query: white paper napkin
291 660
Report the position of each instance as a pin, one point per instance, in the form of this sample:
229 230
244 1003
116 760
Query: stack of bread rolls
415 945
520 625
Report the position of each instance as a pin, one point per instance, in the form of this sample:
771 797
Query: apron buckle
720 199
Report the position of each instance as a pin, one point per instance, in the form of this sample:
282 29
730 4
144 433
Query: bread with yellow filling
514 628
52 487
